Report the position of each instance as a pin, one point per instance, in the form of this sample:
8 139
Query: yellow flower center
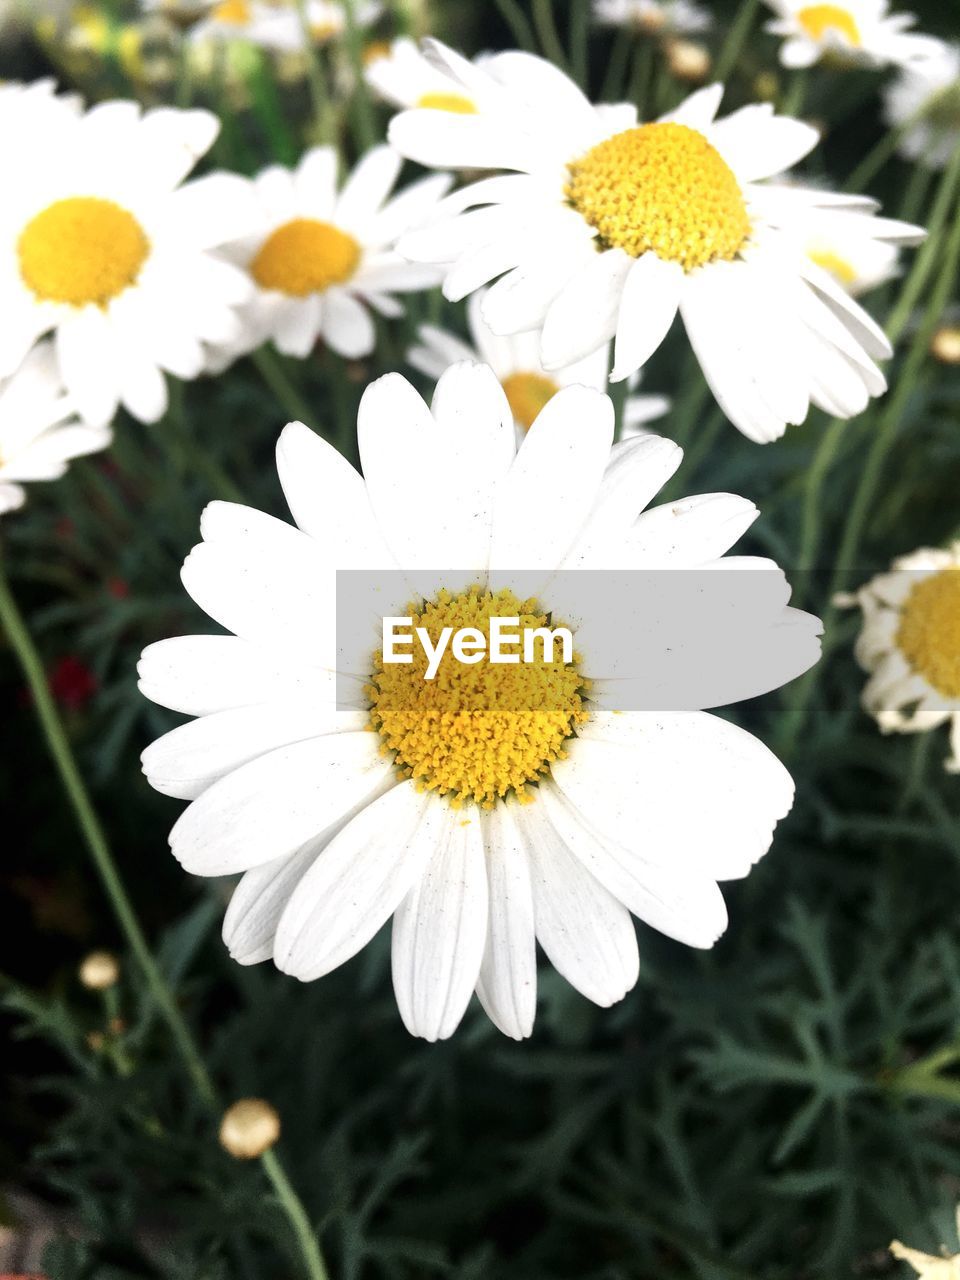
323 31
661 187
818 20
374 51
454 102
527 393
929 631
839 268
305 256
81 250
476 732
235 13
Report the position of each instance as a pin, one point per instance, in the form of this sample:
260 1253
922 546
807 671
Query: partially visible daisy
404 77
924 101
857 31
609 229
102 245
278 26
500 805
653 17
910 644
516 362
39 432
321 258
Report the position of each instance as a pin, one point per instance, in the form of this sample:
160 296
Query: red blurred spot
119 588
73 684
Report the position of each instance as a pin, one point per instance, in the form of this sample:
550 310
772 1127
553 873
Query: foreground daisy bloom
610 228
548 816
924 101
856 31
910 644
102 245
516 362
321 258
39 433
653 17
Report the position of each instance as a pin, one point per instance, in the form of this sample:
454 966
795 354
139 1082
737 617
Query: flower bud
249 1128
100 971
945 345
688 61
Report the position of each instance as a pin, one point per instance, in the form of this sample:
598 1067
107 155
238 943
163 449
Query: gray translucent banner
642 640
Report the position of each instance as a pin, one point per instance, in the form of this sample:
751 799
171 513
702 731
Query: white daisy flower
321 258
924 100
39 432
279 26
516 362
403 77
910 644
480 831
588 252
855 31
653 17
857 261
101 244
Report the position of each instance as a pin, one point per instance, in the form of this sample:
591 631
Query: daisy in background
856 31
910 644
39 432
402 76
516 362
278 26
542 814
609 229
653 17
321 257
924 102
102 245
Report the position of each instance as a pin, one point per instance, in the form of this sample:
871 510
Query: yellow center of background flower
929 632
838 267
527 393
818 20
81 250
454 102
236 13
475 732
323 31
661 187
305 256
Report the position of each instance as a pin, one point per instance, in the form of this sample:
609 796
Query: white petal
648 305
508 975
584 315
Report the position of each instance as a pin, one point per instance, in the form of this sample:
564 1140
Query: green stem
736 39
519 24
579 42
614 82
640 74
365 119
93 834
796 95
296 1215
316 81
275 376
96 841
547 33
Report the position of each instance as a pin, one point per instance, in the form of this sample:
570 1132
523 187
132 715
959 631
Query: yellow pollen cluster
454 102
236 13
526 394
476 732
661 187
838 267
818 20
929 631
305 256
81 250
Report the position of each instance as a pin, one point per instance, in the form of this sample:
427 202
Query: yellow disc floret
665 188
527 393
454 102
476 732
819 20
81 250
929 631
842 270
305 256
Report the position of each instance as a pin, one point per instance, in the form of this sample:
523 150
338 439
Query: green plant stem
614 86
316 81
547 33
93 834
736 39
366 123
796 95
640 76
515 18
296 1215
275 376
